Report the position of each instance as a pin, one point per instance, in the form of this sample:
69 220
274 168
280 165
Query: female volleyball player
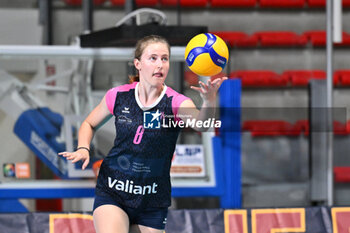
133 186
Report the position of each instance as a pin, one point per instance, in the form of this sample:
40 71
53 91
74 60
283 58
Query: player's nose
159 63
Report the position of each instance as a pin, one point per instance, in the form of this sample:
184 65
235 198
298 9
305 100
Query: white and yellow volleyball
206 54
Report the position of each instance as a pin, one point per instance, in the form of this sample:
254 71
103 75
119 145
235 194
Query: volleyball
206 54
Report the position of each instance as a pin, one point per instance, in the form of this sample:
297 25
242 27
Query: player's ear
137 64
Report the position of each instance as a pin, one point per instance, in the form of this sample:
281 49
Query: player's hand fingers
86 162
76 159
63 153
209 83
222 80
203 86
196 89
219 81
216 81
67 155
70 157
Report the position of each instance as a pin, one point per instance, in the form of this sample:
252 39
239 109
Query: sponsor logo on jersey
126 110
128 186
124 119
123 162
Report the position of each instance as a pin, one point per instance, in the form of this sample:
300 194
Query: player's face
154 64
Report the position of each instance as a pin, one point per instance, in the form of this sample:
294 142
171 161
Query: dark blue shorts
149 217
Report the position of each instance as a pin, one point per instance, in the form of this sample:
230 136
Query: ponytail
134 78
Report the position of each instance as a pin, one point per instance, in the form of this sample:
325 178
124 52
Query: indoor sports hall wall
272 155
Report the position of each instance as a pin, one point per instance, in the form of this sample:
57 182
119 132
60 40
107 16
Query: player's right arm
86 133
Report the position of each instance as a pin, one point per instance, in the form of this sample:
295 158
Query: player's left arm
208 92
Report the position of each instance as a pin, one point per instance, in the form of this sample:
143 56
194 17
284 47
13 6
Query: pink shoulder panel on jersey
177 100
112 94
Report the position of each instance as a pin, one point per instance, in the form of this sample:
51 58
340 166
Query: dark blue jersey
136 170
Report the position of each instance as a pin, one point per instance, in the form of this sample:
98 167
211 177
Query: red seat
322 3
269 128
317 38
346 3
341 174
117 2
79 2
302 77
348 126
339 128
283 128
342 77
336 79
280 38
316 3
282 3
259 78
233 3
237 39
146 2
185 3
302 126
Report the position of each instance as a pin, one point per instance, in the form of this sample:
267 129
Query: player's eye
165 59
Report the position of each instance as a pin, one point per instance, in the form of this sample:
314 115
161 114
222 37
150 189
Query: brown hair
140 47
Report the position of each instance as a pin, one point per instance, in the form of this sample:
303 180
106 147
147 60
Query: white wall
20 26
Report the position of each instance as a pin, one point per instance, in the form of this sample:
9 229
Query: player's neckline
145 108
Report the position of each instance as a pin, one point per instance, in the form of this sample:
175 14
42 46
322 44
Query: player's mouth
158 75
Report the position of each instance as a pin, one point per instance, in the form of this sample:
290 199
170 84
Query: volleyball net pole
334 35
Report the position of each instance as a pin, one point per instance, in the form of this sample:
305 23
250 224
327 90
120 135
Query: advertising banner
188 161
308 220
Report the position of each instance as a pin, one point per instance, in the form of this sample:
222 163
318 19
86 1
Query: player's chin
159 79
